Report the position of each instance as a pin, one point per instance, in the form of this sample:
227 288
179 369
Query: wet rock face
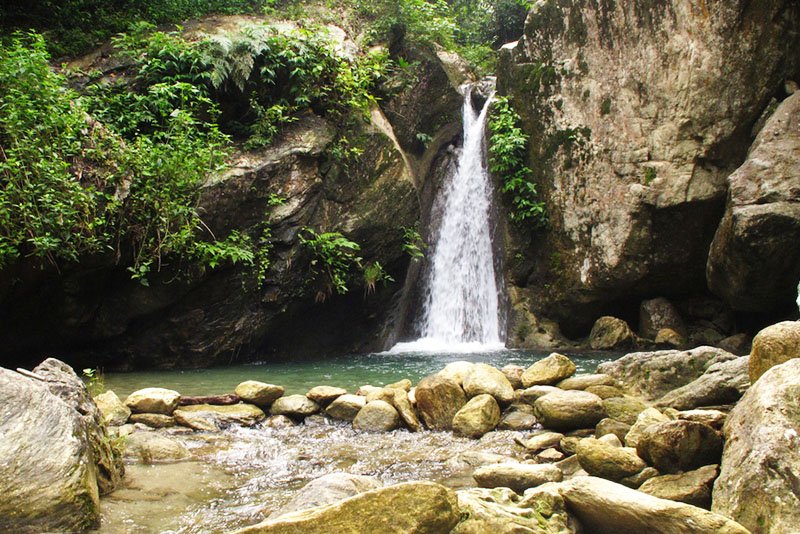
755 262
637 112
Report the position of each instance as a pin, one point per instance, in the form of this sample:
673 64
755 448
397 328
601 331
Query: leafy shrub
333 257
507 152
413 244
374 273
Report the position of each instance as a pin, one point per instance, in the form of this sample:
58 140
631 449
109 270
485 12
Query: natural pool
241 476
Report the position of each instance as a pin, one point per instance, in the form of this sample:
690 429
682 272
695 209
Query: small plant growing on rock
413 244
93 378
332 258
374 273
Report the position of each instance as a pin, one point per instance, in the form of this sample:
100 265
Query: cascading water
461 308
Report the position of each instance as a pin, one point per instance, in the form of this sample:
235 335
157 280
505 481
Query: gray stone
479 415
259 393
679 446
213 418
377 416
758 484
328 489
548 371
658 314
569 410
692 487
516 476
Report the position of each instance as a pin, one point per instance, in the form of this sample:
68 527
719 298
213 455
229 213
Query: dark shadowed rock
438 400
679 446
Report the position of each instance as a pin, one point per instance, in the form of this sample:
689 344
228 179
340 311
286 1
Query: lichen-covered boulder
624 409
485 379
611 333
691 487
114 412
153 400
757 485
259 393
644 420
772 346
47 474
679 445
420 507
481 414
438 400
569 410
501 511
659 314
377 416
517 476
213 418
548 371
722 383
607 461
346 407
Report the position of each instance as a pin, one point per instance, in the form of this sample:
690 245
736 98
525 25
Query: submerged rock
150 447
47 474
774 345
438 400
328 489
604 507
259 393
479 415
548 371
758 482
569 410
517 476
213 418
419 507
153 400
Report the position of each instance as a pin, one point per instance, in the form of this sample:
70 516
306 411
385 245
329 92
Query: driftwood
228 398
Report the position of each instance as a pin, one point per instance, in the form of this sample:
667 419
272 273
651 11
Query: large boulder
658 314
47 475
456 371
113 411
517 476
569 410
722 383
213 418
548 371
485 379
644 420
420 507
774 345
624 409
438 400
679 445
479 415
651 375
259 393
153 400
501 511
324 395
691 487
583 382
296 406
754 262
346 407
630 157
611 333
62 381
758 484
600 459
377 416
605 507
328 489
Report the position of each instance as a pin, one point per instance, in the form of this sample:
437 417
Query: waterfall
461 302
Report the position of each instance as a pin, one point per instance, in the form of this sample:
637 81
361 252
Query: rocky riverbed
653 441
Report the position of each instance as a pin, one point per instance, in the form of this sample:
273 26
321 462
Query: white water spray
461 309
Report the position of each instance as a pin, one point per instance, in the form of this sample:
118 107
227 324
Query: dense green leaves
333 257
507 153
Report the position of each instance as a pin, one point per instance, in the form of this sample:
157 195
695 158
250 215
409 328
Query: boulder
399 399
295 406
636 481
514 375
607 461
569 410
739 344
259 393
691 487
583 382
548 371
501 511
324 395
346 407
456 371
605 392
713 418
612 426
667 337
114 412
532 393
611 333
774 345
149 447
679 446
62 382
722 383
544 440
153 420
758 484
517 420
213 418
479 415
605 507
153 400
420 507
404 384
328 489
754 261
47 474
624 409
485 379
377 416
517 476
658 314
438 400
651 375
644 420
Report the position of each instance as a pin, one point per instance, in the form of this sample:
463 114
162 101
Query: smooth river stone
297 406
346 407
438 401
153 400
213 417
259 393
548 371
324 395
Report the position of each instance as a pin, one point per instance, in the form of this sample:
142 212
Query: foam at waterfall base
433 346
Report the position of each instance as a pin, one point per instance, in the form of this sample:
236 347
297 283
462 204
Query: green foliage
507 153
415 21
373 274
95 383
605 106
333 257
413 244
650 174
